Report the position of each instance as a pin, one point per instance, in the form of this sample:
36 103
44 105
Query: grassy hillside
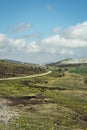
50 102
9 69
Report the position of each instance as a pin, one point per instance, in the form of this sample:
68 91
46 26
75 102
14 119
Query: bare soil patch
7 112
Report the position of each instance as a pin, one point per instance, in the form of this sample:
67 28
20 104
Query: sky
43 31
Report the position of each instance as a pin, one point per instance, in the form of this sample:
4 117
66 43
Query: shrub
85 81
61 74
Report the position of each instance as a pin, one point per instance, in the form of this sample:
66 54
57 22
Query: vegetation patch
79 70
8 69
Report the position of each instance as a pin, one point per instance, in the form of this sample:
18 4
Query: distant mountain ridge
73 61
18 62
12 61
69 61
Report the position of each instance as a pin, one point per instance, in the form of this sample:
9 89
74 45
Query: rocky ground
6 112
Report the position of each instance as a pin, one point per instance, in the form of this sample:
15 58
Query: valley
56 101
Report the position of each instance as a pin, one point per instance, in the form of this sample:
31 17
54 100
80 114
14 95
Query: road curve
2 79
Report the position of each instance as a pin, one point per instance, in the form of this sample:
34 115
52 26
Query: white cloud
72 38
50 50
22 27
66 52
17 42
61 41
3 50
70 42
33 47
11 44
78 32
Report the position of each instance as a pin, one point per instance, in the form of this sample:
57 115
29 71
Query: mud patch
29 100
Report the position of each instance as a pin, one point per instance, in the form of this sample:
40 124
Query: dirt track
31 76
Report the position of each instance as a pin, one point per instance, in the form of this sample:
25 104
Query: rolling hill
69 62
13 69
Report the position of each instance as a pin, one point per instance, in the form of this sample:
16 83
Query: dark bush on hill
85 81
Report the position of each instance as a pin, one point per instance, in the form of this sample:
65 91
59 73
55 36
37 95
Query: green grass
81 70
64 107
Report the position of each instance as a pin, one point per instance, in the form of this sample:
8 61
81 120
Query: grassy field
45 103
81 70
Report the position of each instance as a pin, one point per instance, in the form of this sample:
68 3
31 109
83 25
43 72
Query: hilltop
69 62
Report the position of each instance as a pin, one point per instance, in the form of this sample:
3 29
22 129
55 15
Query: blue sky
40 31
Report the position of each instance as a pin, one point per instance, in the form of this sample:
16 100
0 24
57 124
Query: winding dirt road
37 75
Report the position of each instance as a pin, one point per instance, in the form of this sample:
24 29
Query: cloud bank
69 42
